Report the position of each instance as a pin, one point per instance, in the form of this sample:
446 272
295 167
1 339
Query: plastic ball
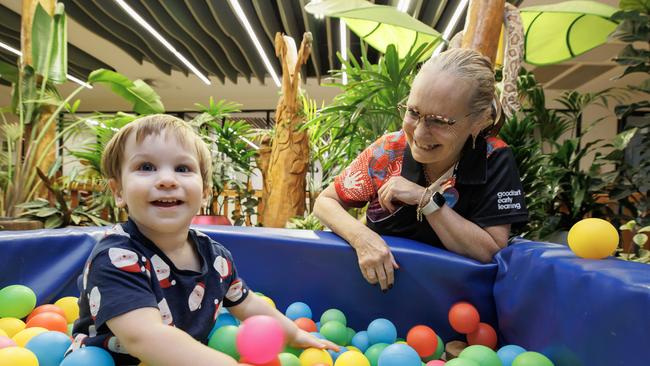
6 342
353 348
382 331
361 341
88 356
224 340
485 335
50 321
3 333
312 356
531 359
350 334
464 317
260 339
273 362
223 320
47 308
435 363
293 350
335 332
482 355
399 355
373 352
11 326
351 358
16 356
593 238
508 353
21 338
16 301
269 301
335 354
306 324
69 305
423 340
49 347
298 310
333 314
70 328
461 362
288 359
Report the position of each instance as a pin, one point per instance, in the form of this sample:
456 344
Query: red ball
464 317
306 324
275 362
47 308
423 340
49 321
485 335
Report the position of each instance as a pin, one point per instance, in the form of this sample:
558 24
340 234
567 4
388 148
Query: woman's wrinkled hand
376 261
399 189
303 339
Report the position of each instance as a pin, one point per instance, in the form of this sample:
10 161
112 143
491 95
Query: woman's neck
433 171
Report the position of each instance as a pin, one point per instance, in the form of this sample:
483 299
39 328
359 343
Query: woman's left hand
303 339
399 189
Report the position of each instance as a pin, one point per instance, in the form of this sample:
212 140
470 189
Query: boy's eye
183 169
146 167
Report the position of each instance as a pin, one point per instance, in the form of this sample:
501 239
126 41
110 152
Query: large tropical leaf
140 94
50 44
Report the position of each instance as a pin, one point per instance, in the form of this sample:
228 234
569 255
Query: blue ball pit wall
538 295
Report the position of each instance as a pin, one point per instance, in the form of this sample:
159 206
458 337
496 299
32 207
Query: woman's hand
303 339
400 189
376 262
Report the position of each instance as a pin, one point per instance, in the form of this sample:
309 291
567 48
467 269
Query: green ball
482 355
288 359
461 362
293 350
70 326
351 334
224 340
439 351
373 352
531 359
335 332
16 301
333 314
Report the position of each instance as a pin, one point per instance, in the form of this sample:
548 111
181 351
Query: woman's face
445 95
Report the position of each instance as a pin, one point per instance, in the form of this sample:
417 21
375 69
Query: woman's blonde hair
469 65
156 124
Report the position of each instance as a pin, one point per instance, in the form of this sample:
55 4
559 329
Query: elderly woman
440 180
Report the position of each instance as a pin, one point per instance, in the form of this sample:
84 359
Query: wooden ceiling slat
267 15
432 11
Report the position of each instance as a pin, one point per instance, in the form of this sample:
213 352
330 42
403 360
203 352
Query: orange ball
485 335
275 362
306 324
464 317
49 321
45 309
423 340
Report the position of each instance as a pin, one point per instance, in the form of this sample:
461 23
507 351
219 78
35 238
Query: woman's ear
116 188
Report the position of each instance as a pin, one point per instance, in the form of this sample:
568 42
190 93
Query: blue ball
382 331
88 356
318 335
49 347
508 353
361 341
399 354
318 326
298 310
335 355
222 320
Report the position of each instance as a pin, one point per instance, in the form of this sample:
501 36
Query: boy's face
161 184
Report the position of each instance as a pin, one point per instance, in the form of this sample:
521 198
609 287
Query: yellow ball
70 307
17 356
312 356
353 348
11 326
593 238
352 358
268 299
21 338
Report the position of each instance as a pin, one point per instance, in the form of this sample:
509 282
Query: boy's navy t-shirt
127 271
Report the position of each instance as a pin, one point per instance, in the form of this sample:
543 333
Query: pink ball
435 363
260 339
6 342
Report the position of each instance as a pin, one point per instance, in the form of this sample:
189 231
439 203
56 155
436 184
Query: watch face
438 199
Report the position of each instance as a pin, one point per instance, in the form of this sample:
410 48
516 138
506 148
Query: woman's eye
183 169
146 167
412 113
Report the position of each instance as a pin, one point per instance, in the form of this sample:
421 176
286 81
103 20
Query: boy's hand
307 340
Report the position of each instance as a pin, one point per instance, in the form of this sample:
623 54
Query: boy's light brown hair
156 124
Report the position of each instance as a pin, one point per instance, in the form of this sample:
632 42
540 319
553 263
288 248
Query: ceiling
210 36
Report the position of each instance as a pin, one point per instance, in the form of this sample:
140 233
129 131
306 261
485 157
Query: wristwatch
437 200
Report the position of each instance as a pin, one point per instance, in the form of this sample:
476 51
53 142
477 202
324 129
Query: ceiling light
451 25
16 52
161 39
344 48
244 21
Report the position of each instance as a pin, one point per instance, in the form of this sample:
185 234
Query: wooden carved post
285 180
483 26
263 160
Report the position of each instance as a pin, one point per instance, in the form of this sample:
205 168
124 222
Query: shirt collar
472 167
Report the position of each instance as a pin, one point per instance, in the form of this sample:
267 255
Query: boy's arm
146 337
255 305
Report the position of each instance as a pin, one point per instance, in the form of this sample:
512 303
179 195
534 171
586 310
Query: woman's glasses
412 115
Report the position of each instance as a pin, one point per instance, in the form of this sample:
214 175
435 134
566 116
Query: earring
474 142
